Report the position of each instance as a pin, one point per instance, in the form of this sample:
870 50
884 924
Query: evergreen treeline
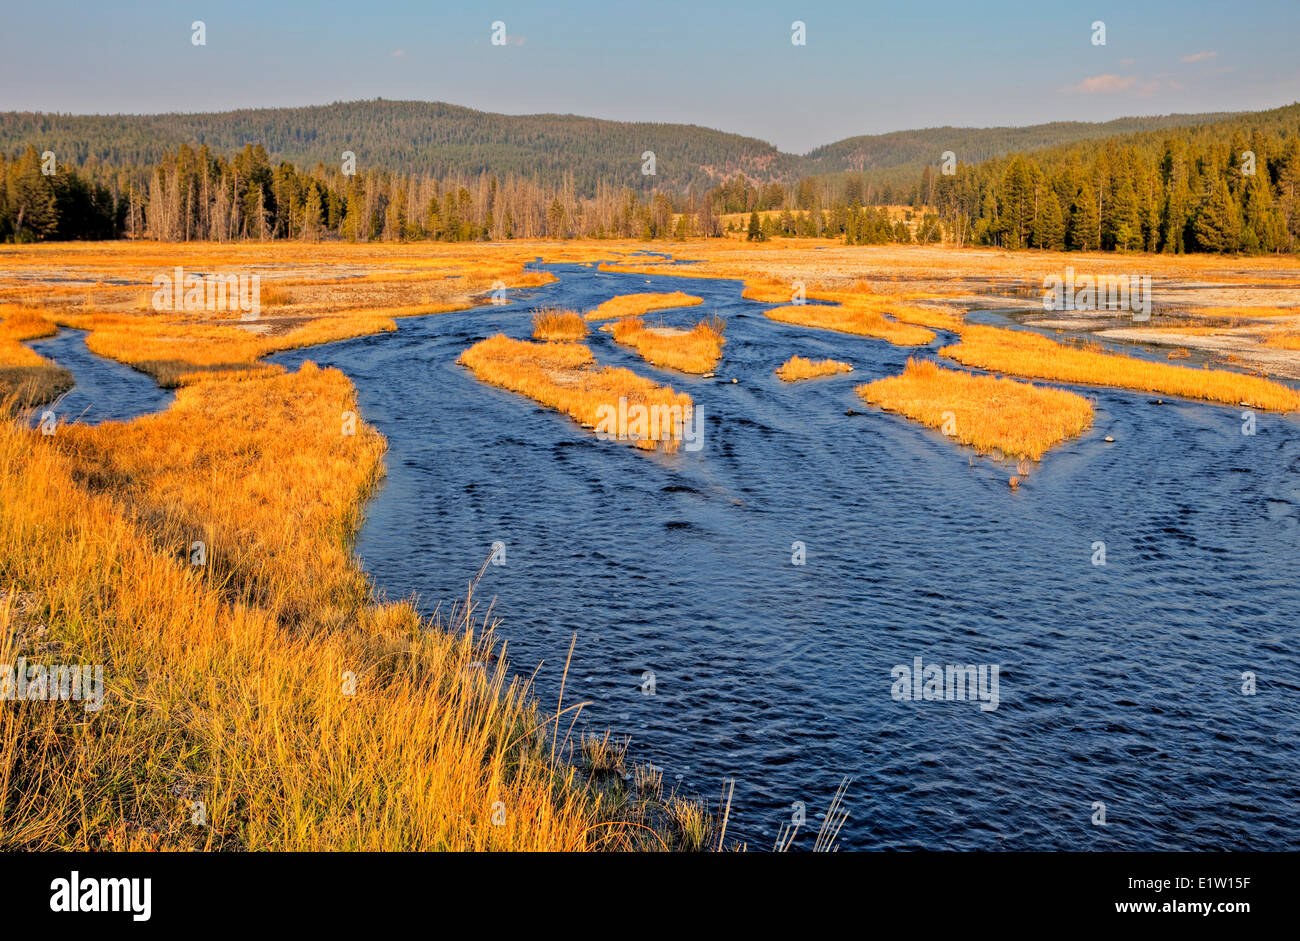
442 139
195 195
1183 190
1226 187
897 158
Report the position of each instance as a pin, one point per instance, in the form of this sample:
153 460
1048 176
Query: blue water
106 390
1118 683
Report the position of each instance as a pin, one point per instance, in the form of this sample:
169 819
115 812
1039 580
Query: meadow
272 683
267 685
1025 354
24 373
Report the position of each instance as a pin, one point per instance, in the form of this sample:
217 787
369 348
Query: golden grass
1013 418
178 351
695 351
797 368
563 376
1238 311
768 291
861 320
231 683
1022 353
632 305
26 375
861 297
555 324
1284 341
830 263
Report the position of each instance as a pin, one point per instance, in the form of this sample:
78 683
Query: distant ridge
439 138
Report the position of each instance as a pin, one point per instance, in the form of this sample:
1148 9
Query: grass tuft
557 324
696 350
797 368
1013 418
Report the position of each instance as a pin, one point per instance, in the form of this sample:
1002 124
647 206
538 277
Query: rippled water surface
105 391
1118 683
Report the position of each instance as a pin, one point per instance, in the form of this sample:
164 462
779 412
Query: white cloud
1199 57
1102 84
1111 84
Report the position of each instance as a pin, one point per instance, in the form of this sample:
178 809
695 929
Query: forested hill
420 137
442 139
906 152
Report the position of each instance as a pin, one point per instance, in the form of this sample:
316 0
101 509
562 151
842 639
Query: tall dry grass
860 296
230 683
991 414
1284 341
797 368
696 350
1022 353
176 351
556 324
634 305
28 377
564 376
862 320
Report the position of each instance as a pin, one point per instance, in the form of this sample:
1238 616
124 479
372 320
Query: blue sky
867 67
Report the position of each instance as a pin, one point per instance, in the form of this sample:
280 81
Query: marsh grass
1021 353
564 376
696 350
556 324
857 319
1284 341
768 291
25 375
633 305
176 351
635 794
1012 418
229 683
797 368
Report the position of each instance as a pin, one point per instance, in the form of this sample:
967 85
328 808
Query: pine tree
1289 194
1049 224
1261 222
1084 220
1016 204
1124 229
755 232
555 221
1217 226
311 218
31 199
